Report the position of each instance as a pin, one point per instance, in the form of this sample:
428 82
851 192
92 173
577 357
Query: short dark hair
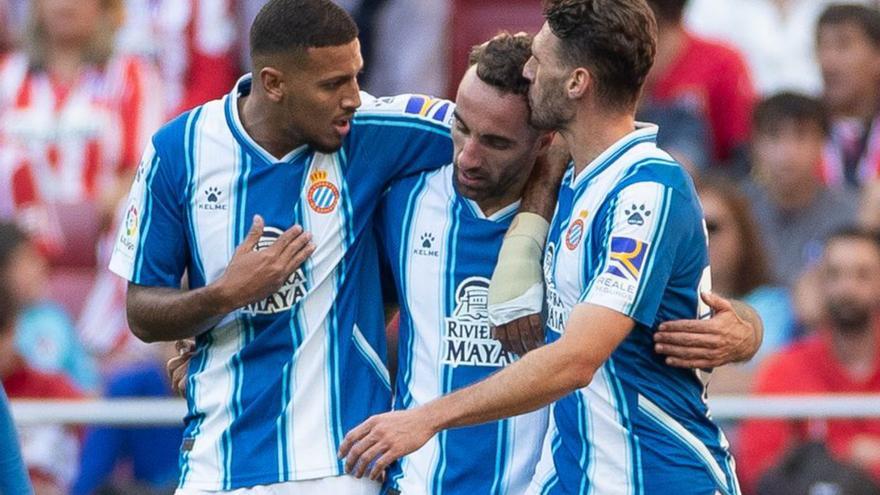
854 232
866 18
669 11
614 39
291 25
500 62
789 107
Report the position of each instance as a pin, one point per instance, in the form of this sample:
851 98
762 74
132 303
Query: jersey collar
643 133
243 88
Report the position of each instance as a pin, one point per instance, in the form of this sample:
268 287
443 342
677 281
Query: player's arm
516 293
165 314
539 378
733 334
401 135
151 253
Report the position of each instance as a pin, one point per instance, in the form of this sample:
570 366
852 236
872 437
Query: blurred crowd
772 105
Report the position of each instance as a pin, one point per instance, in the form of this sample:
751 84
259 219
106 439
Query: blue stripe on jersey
553 481
587 452
191 177
601 262
655 241
194 417
502 459
400 122
448 304
146 220
634 478
334 334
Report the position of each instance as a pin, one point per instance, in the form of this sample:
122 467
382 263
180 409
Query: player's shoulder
406 107
647 163
437 181
175 132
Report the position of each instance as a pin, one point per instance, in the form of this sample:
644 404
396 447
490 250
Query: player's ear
578 83
272 80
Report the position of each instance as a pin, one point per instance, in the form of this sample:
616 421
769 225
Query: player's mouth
342 126
470 180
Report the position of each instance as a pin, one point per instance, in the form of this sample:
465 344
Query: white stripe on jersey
425 381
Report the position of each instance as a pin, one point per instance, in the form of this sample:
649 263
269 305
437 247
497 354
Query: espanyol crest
323 195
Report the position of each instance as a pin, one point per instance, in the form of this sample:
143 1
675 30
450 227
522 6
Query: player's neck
257 120
589 136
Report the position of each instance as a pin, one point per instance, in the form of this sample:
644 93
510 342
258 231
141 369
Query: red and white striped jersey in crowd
850 138
63 144
193 42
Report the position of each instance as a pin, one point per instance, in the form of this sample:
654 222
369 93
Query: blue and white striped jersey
628 234
274 387
442 251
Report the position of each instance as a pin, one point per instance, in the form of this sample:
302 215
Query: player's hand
177 366
382 439
521 335
724 338
254 275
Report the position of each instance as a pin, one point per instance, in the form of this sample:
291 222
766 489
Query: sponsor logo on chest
467 335
293 291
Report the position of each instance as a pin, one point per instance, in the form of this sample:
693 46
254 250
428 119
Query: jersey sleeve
402 135
638 246
151 244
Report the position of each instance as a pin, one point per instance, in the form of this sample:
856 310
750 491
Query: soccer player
627 250
441 232
295 352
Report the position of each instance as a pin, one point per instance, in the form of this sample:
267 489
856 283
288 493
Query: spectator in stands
74 117
848 47
194 43
13 477
794 210
776 37
740 270
47 450
842 357
12 14
706 79
151 452
45 336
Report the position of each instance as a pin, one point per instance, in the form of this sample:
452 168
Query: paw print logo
213 194
636 215
427 240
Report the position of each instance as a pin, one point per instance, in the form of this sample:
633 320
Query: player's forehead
486 110
543 43
343 59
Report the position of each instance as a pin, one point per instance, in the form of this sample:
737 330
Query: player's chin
330 143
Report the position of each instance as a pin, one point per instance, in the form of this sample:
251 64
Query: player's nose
469 156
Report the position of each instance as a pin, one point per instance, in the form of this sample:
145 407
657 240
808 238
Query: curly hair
616 40
500 62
